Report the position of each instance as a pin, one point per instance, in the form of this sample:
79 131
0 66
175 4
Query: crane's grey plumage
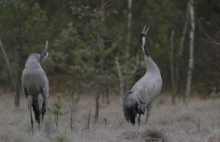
36 85
145 91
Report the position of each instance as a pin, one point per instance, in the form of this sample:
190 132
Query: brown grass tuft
147 136
156 135
214 136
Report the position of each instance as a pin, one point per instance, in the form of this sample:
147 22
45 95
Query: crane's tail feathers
130 107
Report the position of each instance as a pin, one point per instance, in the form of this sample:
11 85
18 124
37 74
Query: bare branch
97 107
89 118
105 5
209 37
93 34
128 40
7 62
172 69
120 78
217 35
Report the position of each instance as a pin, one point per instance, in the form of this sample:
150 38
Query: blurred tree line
87 38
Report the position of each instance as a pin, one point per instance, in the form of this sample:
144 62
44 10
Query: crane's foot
146 120
139 120
32 127
32 122
39 136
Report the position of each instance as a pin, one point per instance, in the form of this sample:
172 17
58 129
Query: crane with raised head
35 85
145 91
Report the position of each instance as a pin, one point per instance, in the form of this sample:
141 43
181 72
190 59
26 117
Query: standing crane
35 85
145 91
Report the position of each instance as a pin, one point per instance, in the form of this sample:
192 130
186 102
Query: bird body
34 78
149 86
144 92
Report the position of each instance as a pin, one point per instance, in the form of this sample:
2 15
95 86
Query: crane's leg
40 106
42 114
43 111
30 105
25 92
45 94
32 122
139 119
39 122
148 111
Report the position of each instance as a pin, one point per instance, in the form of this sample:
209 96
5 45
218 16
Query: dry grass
194 122
214 136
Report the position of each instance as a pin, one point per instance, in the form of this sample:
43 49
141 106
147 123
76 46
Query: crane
35 86
145 90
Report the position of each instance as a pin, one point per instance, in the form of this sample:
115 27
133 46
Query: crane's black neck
144 44
44 53
146 50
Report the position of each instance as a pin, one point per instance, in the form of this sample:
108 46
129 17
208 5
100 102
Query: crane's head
45 53
143 39
36 58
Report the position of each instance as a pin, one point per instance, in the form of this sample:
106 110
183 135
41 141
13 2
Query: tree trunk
172 69
103 98
180 52
89 119
7 63
120 79
18 55
103 10
18 77
184 32
191 50
129 28
97 108
71 119
57 124
107 94
71 110
96 84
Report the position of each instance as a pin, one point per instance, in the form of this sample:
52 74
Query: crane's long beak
146 30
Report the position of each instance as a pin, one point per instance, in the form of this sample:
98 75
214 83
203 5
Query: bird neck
151 65
145 50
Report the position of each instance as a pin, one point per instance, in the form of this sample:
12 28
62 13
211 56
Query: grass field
180 123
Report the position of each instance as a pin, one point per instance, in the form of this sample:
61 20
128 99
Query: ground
180 123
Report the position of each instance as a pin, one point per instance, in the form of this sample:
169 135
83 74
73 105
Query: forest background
94 44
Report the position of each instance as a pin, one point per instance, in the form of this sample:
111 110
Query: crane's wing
146 90
45 89
140 96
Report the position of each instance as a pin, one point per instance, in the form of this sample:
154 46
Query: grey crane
35 85
145 91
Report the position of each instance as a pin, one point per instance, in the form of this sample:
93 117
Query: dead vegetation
214 136
194 122
147 135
